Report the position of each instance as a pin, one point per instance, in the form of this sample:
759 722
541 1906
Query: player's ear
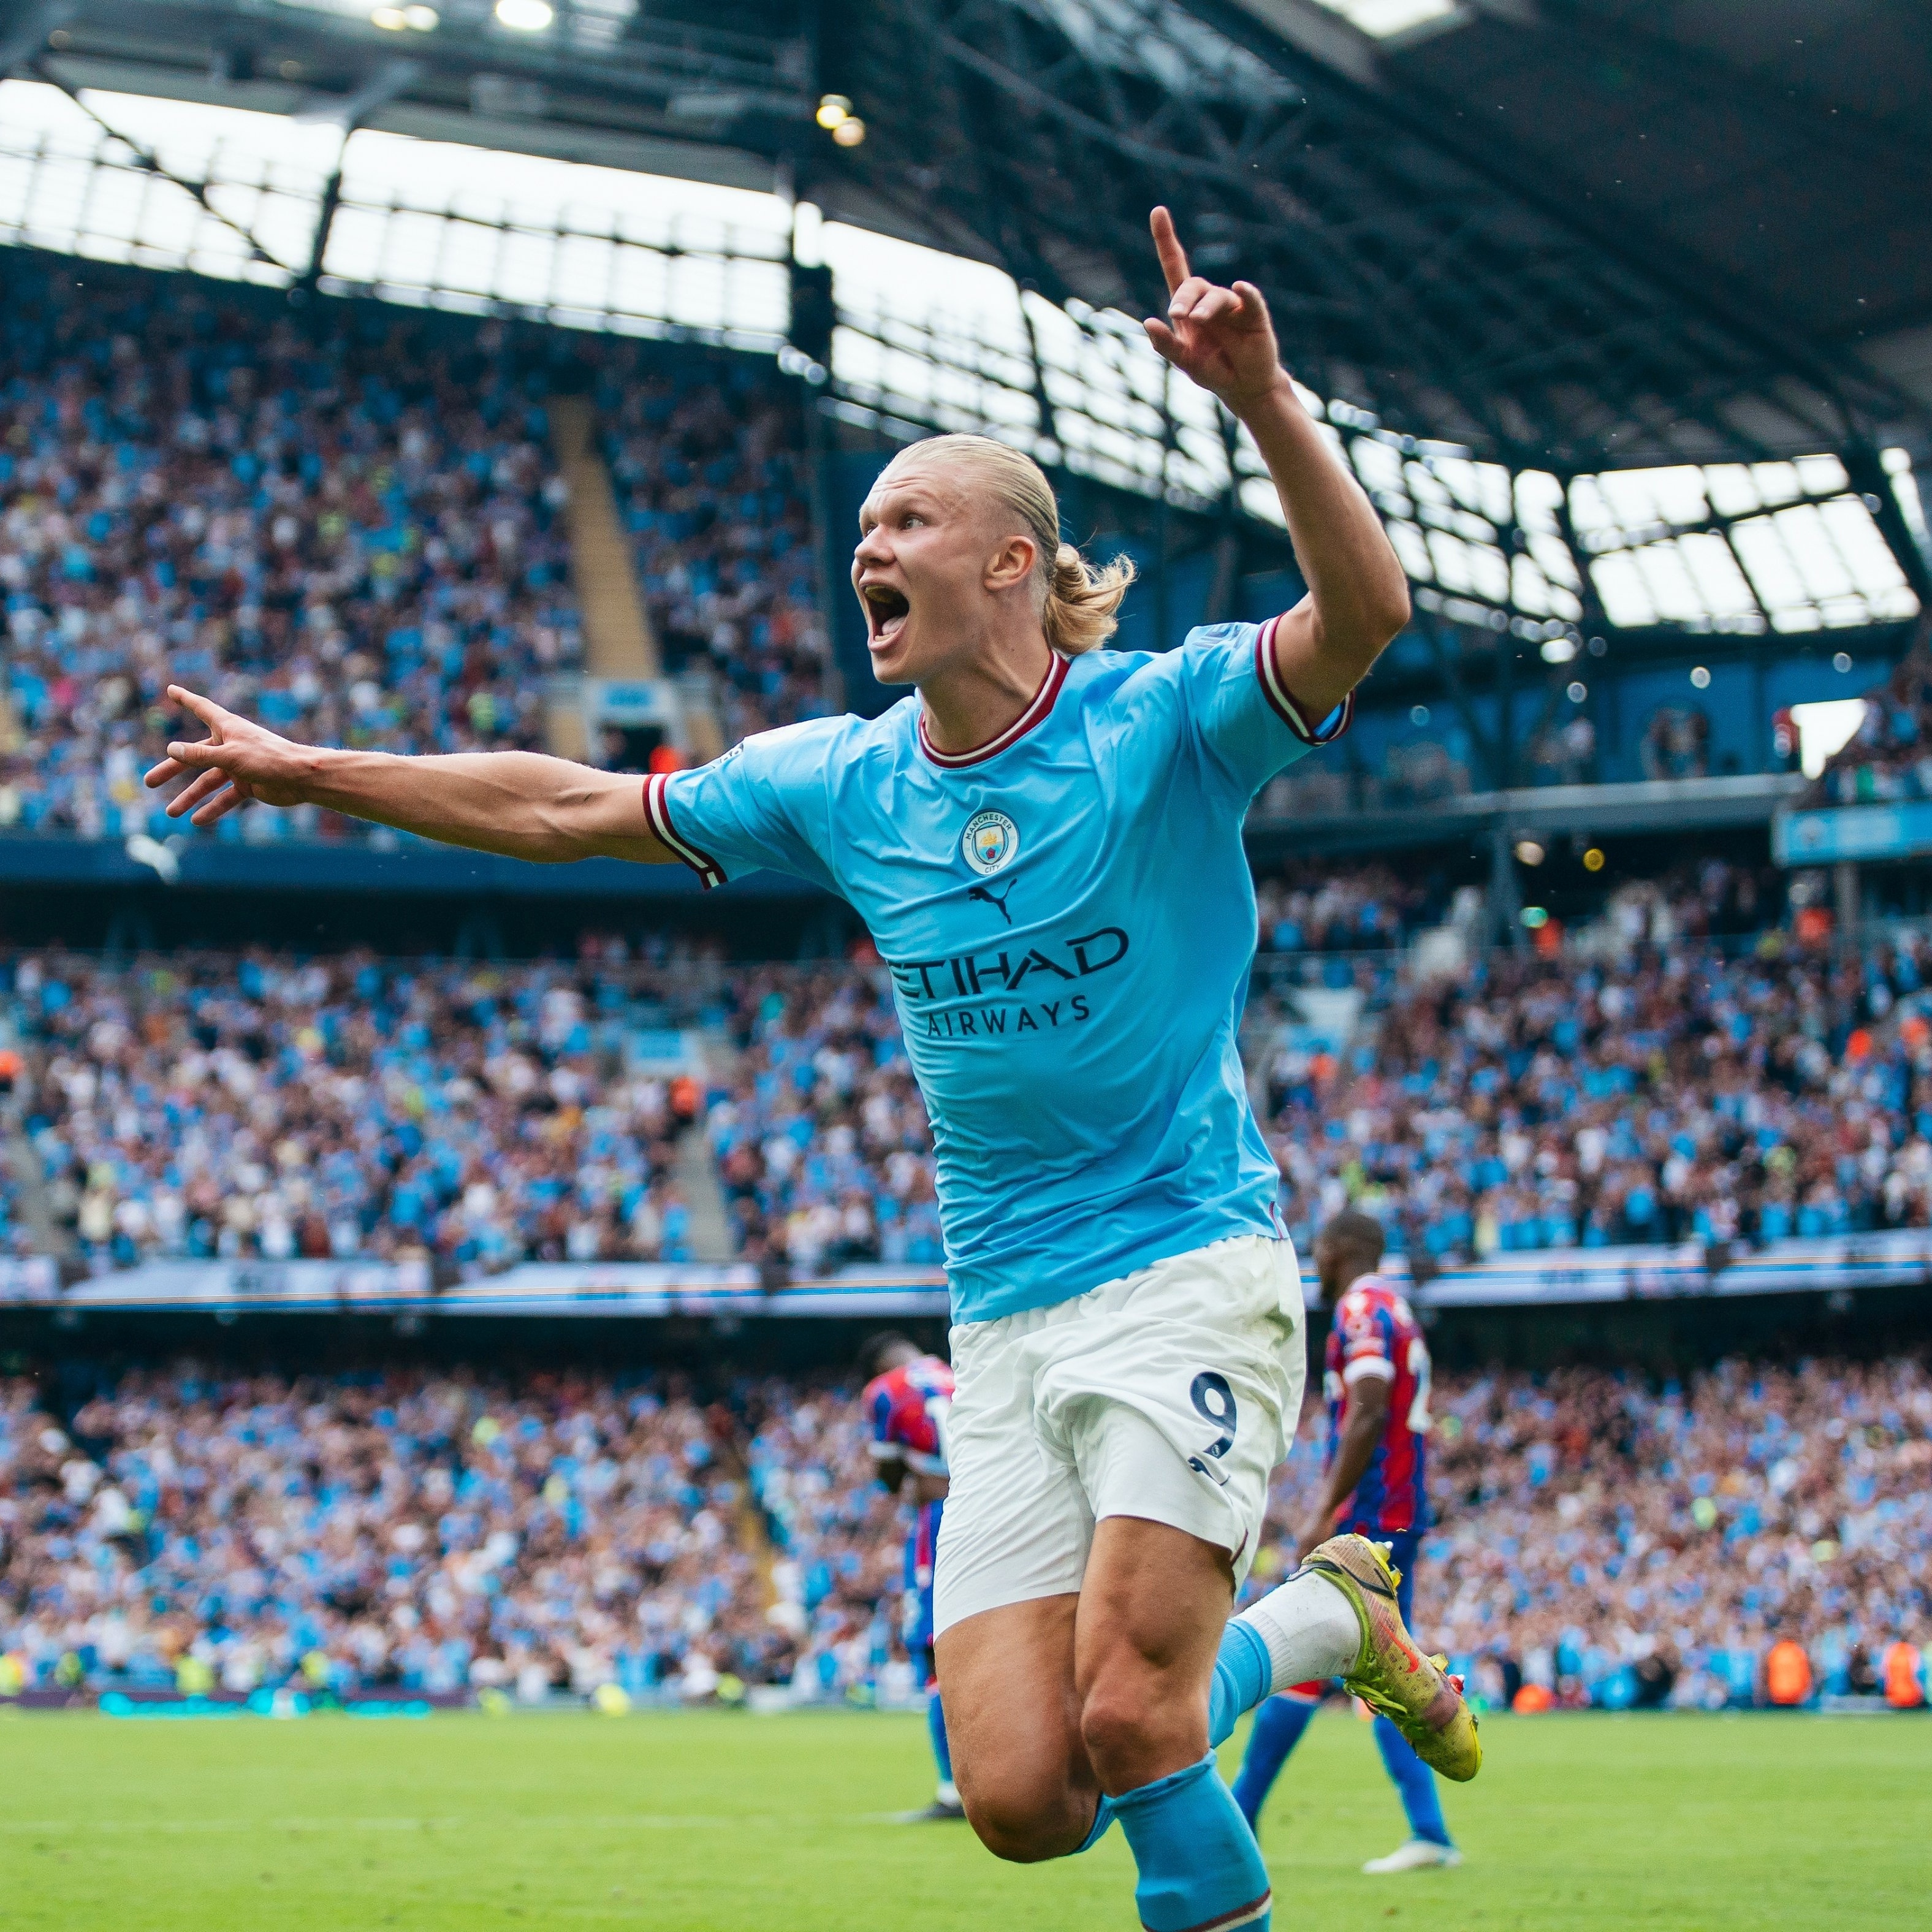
1012 562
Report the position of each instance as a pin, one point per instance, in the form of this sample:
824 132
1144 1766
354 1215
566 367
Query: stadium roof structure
1565 234
1568 236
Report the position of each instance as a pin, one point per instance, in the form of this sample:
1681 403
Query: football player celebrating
1044 840
905 1406
1376 1385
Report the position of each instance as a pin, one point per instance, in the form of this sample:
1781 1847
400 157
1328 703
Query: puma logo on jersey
997 902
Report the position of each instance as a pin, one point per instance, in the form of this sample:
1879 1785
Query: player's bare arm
1358 594
1361 1430
520 804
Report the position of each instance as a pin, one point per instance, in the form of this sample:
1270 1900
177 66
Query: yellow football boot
1414 1692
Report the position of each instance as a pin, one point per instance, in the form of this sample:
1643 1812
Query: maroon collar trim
1036 711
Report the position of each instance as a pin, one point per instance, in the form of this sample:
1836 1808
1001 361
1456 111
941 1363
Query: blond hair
1078 602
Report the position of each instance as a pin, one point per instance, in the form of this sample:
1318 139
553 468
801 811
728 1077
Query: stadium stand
344 522
707 456
433 1533
1662 1076
1625 1091
347 521
262 1106
1334 908
1615 1543
822 1140
1604 1540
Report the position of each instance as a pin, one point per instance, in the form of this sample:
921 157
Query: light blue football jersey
1069 919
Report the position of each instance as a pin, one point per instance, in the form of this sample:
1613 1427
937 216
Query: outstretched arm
518 803
1357 594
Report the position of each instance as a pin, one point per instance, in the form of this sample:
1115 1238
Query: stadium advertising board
1555 1276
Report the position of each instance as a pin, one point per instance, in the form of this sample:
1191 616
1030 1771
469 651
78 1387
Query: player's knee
1024 1828
1129 1718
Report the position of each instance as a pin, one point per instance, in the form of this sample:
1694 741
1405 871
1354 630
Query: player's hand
237 761
1221 338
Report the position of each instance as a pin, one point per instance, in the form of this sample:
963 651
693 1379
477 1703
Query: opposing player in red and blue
1376 1384
906 1403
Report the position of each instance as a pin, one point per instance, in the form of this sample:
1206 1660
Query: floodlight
525 16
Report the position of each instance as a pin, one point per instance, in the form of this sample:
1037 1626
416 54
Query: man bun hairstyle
1078 601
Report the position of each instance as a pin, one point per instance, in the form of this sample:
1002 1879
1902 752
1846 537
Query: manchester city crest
990 843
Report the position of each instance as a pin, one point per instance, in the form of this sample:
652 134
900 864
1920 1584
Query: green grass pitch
727 1822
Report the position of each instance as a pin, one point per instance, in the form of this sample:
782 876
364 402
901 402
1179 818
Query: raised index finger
1167 246
210 713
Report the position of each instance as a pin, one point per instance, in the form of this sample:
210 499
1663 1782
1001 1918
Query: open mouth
886 610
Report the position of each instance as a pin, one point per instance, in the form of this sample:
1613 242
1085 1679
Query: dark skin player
1343 1254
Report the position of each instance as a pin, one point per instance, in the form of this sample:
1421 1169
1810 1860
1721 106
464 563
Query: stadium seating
1615 1542
1333 908
346 521
1658 1080
707 458
1619 1093
1599 1538
430 1533
822 1140
342 519
482 1116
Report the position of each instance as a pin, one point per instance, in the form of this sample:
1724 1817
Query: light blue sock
1243 1675
1103 1818
935 1724
1199 1864
1415 1781
1278 1727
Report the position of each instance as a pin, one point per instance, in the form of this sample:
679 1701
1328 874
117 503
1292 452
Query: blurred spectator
1323 907
430 1533
1596 1539
1646 1086
1889 756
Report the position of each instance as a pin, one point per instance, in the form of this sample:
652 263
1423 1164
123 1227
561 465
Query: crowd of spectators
1653 1082
1611 1541
1599 1538
1667 1075
837 1582
822 1140
708 460
1323 907
433 1533
467 1115
342 519
347 521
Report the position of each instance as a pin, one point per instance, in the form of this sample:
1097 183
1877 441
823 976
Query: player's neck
982 694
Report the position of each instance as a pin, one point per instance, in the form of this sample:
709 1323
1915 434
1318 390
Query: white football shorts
1169 1395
